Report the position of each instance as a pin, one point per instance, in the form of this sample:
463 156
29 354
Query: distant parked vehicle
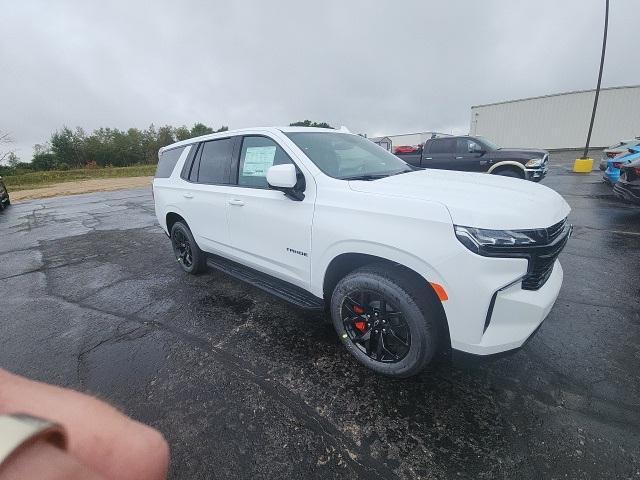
4 196
617 149
477 154
612 173
407 149
628 187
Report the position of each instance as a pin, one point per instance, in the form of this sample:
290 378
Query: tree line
109 147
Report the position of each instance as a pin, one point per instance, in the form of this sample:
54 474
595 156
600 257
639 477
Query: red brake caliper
359 325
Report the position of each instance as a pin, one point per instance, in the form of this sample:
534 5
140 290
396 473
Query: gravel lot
246 386
81 186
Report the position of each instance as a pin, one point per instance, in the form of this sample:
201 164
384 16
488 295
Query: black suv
477 154
4 196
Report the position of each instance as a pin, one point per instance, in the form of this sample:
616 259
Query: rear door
440 153
205 201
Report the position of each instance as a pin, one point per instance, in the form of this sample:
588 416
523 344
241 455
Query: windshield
346 156
490 144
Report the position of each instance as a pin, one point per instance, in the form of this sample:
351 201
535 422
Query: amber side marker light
442 295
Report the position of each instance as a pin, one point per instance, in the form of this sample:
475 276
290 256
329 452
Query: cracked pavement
245 386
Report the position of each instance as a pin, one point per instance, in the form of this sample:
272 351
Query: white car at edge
407 262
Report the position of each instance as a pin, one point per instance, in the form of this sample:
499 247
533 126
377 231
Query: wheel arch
344 263
171 218
508 164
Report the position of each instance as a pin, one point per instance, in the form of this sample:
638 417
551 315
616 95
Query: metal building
391 141
561 120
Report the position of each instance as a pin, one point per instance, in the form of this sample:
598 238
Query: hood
476 199
518 153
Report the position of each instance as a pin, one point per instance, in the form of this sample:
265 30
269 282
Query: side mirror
285 178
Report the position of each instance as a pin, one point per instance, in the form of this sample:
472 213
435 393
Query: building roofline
553 95
414 133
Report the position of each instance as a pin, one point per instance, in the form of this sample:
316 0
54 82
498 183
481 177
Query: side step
279 288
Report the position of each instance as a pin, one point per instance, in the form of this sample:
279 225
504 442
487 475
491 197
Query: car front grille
554 230
541 261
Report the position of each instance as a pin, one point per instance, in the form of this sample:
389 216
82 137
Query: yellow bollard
583 165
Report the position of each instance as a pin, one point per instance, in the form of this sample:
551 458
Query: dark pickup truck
477 154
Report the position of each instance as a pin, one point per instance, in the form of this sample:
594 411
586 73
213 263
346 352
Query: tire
509 172
403 298
190 258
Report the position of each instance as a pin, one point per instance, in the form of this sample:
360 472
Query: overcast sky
378 67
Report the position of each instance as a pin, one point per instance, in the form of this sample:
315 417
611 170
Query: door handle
429 158
458 158
238 203
187 195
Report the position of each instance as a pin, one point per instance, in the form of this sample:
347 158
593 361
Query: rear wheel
388 323
189 256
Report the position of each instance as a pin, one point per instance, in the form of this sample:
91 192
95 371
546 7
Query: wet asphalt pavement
245 386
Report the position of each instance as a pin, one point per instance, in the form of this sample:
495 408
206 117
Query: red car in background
407 148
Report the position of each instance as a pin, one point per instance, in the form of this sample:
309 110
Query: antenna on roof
344 129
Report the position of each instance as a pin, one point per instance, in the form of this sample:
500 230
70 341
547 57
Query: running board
276 287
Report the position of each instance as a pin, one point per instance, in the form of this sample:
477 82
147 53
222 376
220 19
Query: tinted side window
443 145
465 145
167 162
215 161
256 156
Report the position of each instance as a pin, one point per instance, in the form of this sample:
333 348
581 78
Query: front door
469 157
270 232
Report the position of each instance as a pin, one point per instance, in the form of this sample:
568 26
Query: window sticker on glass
257 161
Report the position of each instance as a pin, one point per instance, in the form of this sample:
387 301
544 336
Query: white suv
407 261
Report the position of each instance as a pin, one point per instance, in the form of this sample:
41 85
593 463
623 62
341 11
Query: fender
171 209
506 163
409 260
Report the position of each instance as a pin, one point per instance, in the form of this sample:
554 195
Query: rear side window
167 162
443 145
257 155
215 161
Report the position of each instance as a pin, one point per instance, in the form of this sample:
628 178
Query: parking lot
245 386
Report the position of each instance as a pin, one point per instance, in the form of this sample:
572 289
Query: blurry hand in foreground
102 443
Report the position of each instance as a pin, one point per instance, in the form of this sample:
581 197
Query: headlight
534 162
475 239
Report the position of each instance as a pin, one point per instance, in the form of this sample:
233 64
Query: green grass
42 179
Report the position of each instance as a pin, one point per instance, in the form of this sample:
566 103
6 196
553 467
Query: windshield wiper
404 171
374 176
367 176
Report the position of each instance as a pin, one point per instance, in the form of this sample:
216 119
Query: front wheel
509 172
388 323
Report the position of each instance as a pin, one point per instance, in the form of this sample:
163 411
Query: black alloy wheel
191 259
387 319
375 326
182 248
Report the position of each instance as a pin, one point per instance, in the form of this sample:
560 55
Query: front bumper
516 315
611 176
538 173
